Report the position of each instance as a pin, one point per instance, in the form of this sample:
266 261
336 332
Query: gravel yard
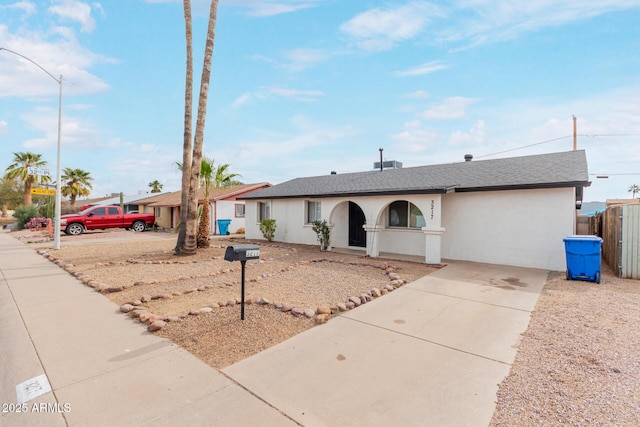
577 364
199 294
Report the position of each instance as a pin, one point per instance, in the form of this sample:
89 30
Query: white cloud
75 11
418 94
483 21
298 95
307 148
300 59
4 127
420 70
21 78
450 108
25 6
256 8
414 138
380 29
475 136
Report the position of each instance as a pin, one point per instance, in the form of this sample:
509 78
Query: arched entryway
357 233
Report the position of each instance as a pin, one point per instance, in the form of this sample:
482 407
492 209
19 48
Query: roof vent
388 164
468 157
334 173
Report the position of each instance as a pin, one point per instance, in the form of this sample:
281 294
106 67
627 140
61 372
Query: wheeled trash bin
223 226
583 257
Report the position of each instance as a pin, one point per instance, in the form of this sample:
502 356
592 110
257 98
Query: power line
558 139
526 146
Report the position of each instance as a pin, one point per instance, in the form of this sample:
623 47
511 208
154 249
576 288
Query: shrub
24 213
268 228
37 222
323 232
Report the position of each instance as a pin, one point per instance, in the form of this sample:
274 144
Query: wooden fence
621 240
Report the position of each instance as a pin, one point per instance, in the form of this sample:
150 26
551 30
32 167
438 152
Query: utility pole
575 134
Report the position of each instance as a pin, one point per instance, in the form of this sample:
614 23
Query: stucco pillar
373 238
433 245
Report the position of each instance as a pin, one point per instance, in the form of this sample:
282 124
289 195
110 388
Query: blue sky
304 87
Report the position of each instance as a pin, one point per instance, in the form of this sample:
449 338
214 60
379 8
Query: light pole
56 224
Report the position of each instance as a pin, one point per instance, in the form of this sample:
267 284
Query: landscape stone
376 292
144 317
125 308
322 318
342 306
206 310
156 326
297 312
323 310
309 313
355 300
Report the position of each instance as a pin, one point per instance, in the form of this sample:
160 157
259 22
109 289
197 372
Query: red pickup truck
102 217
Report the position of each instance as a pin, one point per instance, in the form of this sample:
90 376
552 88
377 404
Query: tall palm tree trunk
204 229
190 243
27 192
188 117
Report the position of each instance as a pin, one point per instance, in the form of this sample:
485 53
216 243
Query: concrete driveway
430 353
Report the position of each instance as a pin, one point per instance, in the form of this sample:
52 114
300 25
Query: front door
357 234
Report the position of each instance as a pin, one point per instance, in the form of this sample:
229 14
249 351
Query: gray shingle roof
566 169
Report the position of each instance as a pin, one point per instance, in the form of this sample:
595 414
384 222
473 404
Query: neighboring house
513 211
130 203
223 205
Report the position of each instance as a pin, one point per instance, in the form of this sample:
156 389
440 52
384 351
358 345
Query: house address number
255 253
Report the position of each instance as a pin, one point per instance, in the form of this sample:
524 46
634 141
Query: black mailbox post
242 253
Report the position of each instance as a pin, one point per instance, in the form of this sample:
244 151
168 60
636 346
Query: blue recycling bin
583 257
223 226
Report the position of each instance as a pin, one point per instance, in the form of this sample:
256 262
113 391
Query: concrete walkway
430 353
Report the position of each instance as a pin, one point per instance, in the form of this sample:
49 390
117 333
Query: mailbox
242 252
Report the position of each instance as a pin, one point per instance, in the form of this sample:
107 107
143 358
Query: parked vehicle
103 217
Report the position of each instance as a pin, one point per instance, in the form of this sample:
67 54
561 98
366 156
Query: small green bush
24 213
323 232
268 228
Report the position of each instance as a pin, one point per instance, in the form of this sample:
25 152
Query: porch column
373 239
433 245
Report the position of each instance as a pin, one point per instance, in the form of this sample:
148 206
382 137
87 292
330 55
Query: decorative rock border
154 322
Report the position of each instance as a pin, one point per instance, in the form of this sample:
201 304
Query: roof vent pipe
468 157
334 173
381 166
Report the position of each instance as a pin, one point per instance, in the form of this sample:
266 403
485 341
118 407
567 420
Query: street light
56 226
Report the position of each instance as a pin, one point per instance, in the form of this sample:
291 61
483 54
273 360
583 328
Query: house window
264 210
313 212
404 214
239 210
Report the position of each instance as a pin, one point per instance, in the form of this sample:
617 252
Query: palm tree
76 182
19 169
188 117
635 188
206 179
223 178
190 239
156 186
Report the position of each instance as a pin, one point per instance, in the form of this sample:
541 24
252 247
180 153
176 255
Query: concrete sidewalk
104 370
430 353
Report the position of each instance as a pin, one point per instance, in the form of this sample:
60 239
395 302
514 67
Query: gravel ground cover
578 364
196 297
